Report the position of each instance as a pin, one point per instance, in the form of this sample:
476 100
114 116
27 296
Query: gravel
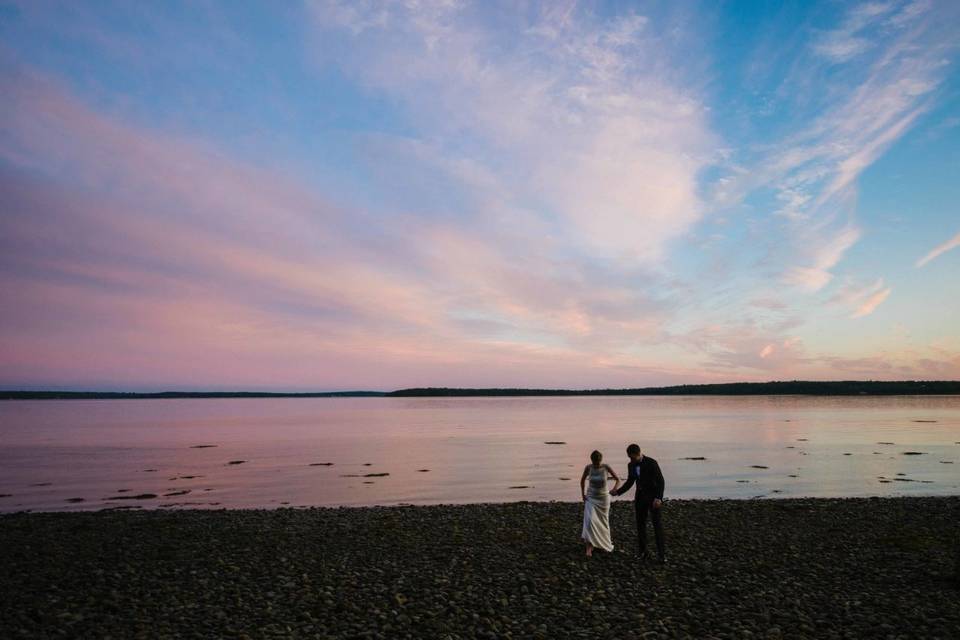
795 568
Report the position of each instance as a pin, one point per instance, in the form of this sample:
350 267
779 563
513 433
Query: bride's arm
583 479
616 478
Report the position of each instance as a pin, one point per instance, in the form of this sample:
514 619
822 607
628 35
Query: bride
596 504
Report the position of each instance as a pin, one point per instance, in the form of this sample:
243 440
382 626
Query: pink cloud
871 303
862 300
138 257
823 255
142 257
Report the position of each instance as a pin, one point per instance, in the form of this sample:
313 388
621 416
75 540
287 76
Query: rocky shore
814 568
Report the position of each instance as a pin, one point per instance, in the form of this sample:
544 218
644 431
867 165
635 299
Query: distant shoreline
174 395
795 387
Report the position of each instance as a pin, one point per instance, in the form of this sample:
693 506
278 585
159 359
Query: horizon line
852 387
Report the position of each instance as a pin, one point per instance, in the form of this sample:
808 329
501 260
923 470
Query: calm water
476 449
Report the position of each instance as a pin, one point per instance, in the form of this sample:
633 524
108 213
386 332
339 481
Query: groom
645 471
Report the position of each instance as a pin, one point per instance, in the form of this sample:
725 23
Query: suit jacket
648 478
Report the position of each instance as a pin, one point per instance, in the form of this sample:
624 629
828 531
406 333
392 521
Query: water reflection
465 449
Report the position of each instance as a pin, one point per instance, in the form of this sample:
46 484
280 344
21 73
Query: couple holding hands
642 471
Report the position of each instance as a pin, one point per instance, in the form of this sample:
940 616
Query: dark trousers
643 506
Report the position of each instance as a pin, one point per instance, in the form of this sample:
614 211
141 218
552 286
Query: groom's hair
633 450
596 457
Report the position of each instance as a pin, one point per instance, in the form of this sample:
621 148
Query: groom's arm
631 478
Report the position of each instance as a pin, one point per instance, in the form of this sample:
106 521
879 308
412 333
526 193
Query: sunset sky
375 195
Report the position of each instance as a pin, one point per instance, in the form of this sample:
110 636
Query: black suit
646 474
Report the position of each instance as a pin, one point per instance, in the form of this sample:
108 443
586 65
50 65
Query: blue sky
330 195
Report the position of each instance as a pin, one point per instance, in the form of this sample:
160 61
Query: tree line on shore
793 387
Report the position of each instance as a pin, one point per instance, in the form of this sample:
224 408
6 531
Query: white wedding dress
596 511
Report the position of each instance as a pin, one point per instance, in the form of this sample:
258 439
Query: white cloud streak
848 41
939 250
823 257
886 61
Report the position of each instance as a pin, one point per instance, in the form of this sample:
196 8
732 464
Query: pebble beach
789 568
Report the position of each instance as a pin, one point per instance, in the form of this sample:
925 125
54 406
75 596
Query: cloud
568 110
860 299
537 212
126 232
862 87
127 246
823 257
928 364
863 366
769 303
744 348
848 40
938 250
871 303
841 46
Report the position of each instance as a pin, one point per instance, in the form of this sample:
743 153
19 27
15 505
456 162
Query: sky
330 195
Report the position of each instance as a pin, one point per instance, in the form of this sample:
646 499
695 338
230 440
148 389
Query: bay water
58 455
